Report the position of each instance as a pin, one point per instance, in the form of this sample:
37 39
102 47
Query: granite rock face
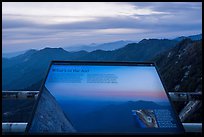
49 117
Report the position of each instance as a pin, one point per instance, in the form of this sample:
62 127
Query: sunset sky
38 25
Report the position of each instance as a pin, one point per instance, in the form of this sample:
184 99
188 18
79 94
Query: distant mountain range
91 47
144 50
29 68
26 71
105 46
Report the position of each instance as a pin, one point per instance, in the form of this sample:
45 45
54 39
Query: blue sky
38 25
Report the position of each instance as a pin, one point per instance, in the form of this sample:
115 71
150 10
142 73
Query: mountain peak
150 40
192 37
143 40
49 48
30 51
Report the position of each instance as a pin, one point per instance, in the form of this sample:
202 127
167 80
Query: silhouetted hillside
29 68
26 70
181 67
142 51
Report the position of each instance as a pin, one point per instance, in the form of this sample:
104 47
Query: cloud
16 23
36 24
99 15
54 13
170 7
76 9
120 31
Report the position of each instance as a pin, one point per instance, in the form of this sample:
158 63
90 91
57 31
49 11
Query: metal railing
175 96
14 127
194 102
20 127
185 96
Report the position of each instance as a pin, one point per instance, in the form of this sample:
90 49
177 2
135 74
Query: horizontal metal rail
175 96
14 127
20 127
185 96
193 127
19 94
